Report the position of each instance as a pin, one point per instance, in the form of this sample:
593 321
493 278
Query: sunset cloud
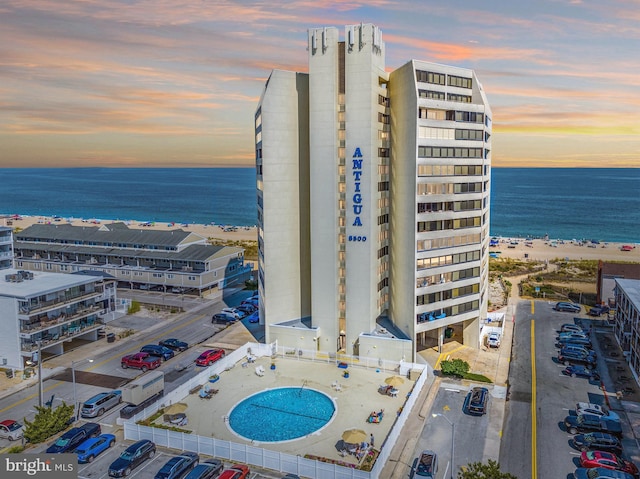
176 83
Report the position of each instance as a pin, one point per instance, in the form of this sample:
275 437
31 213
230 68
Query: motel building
373 201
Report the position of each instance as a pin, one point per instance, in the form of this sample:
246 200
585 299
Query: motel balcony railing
64 318
55 338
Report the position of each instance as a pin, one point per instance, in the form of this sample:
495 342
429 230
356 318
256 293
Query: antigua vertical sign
357 200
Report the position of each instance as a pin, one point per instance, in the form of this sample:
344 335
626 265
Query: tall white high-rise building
373 200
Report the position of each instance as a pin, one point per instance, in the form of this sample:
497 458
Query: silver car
100 403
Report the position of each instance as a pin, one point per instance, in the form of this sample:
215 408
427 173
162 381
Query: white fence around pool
257 456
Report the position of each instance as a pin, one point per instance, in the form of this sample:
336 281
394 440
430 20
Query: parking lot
99 468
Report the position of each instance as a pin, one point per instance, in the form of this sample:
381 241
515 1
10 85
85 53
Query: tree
478 470
48 421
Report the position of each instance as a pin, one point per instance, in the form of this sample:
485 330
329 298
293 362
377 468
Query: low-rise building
172 261
627 321
6 247
607 275
39 312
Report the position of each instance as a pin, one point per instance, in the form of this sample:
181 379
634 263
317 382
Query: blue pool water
281 414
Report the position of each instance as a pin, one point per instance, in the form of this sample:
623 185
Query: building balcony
45 306
29 345
62 319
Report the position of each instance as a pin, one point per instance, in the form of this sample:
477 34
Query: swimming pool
281 414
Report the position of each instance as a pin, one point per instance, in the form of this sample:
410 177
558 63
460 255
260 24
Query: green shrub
47 422
455 367
134 308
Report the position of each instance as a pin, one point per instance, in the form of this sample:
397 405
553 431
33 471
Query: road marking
533 308
534 465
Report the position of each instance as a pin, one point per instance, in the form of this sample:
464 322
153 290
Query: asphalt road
535 443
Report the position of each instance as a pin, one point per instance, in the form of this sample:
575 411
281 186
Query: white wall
285 215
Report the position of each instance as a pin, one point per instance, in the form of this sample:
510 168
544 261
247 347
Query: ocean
564 203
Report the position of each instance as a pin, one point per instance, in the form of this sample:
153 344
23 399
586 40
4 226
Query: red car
239 471
142 361
209 357
607 460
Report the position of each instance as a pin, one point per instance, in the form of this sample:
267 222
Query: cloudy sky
176 82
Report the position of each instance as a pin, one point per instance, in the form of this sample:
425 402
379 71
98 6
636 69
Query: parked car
569 307
210 356
493 340
598 310
476 401
233 312
10 429
596 410
600 473
572 327
597 441
92 448
223 318
71 439
254 317
237 471
174 344
101 403
178 466
132 457
592 423
247 308
579 349
578 371
252 301
207 469
141 361
426 465
575 342
607 460
570 357
572 335
162 352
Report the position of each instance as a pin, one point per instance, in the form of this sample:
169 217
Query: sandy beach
541 250
517 248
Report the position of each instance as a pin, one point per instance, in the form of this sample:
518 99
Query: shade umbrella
354 436
176 408
394 381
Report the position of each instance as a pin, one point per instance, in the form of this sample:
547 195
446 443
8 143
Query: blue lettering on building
357 196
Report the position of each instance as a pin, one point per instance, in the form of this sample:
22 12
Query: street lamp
453 433
73 379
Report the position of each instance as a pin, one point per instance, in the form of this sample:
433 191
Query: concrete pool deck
356 399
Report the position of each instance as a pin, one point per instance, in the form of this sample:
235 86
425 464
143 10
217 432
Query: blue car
162 352
91 448
178 466
254 317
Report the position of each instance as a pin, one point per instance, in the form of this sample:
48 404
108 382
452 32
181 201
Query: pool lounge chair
260 370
